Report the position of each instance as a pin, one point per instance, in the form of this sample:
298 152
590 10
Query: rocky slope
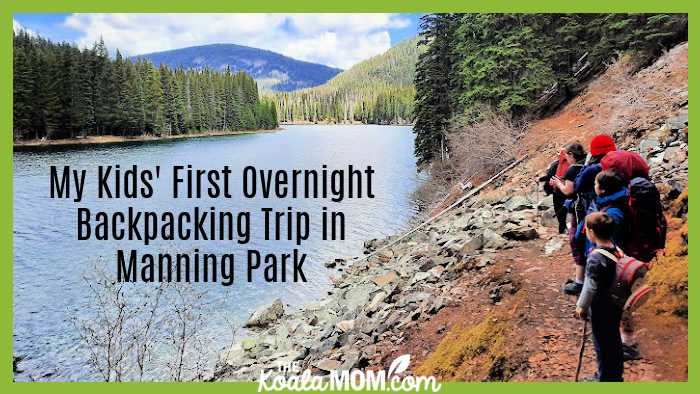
476 294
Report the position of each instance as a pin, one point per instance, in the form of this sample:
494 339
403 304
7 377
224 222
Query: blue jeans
605 324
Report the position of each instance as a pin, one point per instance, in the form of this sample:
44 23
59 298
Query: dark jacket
551 171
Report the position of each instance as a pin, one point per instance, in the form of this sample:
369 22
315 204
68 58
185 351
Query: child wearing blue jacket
612 197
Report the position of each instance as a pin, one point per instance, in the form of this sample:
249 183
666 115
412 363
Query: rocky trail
476 295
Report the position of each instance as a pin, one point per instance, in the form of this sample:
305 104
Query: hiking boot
631 352
573 288
563 229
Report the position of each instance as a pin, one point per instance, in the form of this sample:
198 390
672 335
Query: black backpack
647 222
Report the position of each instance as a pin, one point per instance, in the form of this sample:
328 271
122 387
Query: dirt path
547 337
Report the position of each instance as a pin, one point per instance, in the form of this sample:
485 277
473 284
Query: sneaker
563 229
631 352
573 288
592 378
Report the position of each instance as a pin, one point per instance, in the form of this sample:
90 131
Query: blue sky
339 40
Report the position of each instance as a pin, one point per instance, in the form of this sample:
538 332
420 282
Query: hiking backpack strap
607 254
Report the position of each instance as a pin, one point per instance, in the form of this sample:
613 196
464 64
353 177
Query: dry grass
476 152
669 275
484 352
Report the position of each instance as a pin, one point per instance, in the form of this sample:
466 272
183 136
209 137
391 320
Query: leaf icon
400 364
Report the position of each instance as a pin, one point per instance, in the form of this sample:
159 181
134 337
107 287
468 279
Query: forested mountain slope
61 91
522 66
378 90
271 70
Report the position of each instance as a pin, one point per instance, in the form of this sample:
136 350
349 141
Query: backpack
629 284
647 221
551 170
563 164
626 164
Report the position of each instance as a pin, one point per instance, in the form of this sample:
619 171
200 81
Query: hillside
271 70
508 318
475 295
377 90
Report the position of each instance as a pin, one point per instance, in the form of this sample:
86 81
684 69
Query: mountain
378 90
271 70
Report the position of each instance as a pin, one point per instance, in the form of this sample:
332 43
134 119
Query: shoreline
355 123
109 139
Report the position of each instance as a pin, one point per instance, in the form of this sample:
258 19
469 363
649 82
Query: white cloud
16 27
339 40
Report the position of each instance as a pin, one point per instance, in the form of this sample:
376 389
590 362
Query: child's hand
581 313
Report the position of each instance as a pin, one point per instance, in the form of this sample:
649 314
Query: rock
234 356
434 305
471 245
419 276
385 255
548 219
350 360
674 155
651 141
346 325
462 222
518 203
412 298
328 344
266 314
493 240
677 122
444 261
377 300
436 271
269 341
433 237
369 351
553 245
676 190
370 246
406 259
655 159
328 365
384 279
427 264
330 264
520 233
357 295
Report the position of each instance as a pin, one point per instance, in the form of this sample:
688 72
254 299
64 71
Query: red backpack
563 164
626 164
629 285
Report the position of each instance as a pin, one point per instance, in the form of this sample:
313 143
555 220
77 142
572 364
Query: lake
49 260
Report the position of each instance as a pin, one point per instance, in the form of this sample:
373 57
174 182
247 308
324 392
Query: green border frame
682 6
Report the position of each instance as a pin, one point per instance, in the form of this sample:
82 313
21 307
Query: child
612 198
604 314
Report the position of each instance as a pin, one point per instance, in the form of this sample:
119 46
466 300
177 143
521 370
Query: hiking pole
537 207
583 346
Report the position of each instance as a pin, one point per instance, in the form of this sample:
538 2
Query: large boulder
520 233
493 240
472 244
266 314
